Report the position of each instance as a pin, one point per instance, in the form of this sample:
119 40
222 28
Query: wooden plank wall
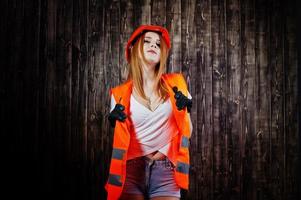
59 59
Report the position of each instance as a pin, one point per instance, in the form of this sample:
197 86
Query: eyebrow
152 38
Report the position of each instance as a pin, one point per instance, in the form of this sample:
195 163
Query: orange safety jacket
117 174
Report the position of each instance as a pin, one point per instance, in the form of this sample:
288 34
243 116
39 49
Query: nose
153 45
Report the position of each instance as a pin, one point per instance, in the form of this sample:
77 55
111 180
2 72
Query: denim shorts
150 178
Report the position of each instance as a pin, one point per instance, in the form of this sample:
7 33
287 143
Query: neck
148 75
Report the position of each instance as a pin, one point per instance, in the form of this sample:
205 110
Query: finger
180 104
182 99
178 94
189 105
119 107
122 116
188 109
189 102
113 115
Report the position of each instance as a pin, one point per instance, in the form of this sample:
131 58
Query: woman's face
151 47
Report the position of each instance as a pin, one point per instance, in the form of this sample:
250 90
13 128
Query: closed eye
146 41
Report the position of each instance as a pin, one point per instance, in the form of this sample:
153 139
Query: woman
150 113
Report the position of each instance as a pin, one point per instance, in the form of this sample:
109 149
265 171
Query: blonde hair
135 68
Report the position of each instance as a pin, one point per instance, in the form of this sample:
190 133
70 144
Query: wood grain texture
61 57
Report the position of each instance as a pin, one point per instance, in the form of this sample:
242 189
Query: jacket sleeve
189 97
182 79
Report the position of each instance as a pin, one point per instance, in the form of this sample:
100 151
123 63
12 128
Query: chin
152 61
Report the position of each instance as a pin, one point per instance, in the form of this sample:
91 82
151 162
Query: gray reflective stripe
118 153
185 142
182 167
114 180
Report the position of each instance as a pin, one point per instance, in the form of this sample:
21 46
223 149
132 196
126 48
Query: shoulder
121 87
175 78
173 75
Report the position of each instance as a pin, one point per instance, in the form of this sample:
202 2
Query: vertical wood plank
146 11
126 29
173 25
219 97
158 12
188 58
234 140
202 159
77 137
290 102
276 101
63 69
82 40
262 96
41 115
49 163
248 97
96 100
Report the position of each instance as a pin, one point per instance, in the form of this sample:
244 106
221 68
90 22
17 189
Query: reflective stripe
114 180
118 153
182 167
185 142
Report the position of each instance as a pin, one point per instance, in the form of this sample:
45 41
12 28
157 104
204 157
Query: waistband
164 161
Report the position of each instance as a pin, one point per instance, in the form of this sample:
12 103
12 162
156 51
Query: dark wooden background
60 57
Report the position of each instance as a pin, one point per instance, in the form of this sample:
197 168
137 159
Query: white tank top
153 130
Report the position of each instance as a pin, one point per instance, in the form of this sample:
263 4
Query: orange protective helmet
142 29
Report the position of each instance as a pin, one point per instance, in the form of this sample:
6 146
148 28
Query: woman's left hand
181 100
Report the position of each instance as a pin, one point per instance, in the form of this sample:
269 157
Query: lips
152 51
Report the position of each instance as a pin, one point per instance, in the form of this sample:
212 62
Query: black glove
117 114
181 100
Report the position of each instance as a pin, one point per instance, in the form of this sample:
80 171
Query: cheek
159 54
144 52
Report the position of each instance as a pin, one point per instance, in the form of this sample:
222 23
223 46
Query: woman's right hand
181 100
117 114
